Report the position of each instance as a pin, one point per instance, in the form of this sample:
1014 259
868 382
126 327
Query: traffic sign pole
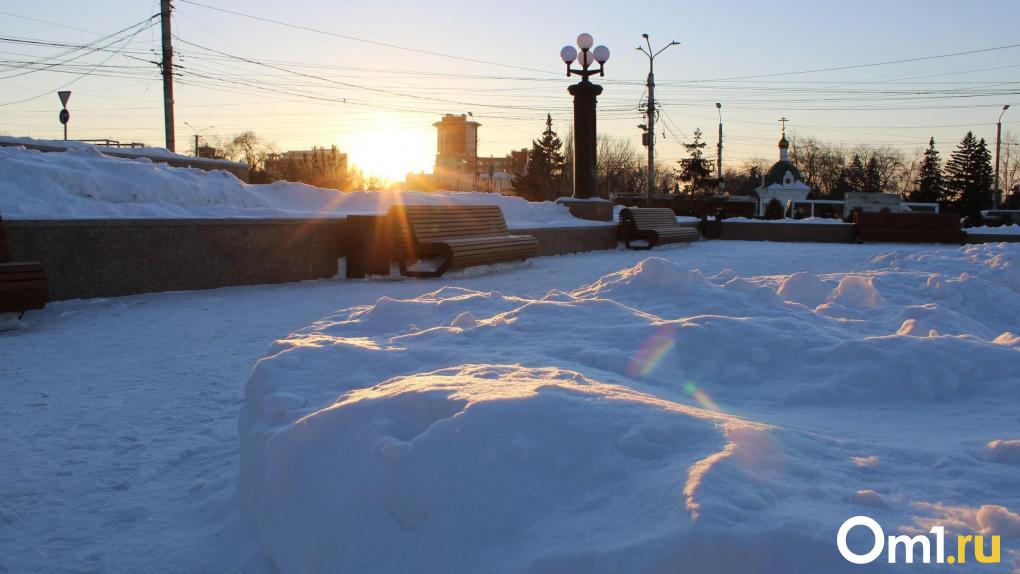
65 115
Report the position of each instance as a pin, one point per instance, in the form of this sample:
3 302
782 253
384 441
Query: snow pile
491 459
150 152
1000 230
83 183
805 221
467 431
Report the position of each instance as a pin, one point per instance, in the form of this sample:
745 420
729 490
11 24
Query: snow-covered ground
715 407
1000 230
805 221
83 183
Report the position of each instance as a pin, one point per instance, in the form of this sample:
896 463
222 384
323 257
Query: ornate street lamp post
585 92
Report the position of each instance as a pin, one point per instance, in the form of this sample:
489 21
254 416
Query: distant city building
210 152
456 152
458 166
317 166
495 174
783 182
519 161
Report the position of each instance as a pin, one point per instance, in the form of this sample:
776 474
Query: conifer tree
929 182
696 171
968 176
855 174
872 177
544 178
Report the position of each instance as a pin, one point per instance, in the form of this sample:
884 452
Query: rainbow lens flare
701 396
652 352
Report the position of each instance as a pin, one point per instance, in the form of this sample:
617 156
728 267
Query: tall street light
997 196
585 92
197 132
649 136
718 161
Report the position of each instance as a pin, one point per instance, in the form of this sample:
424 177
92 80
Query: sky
372 77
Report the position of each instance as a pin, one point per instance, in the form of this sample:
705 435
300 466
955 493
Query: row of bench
428 240
461 236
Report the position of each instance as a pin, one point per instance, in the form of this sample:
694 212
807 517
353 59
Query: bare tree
1009 165
830 170
616 158
249 148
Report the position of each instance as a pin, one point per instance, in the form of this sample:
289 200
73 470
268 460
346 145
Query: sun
391 148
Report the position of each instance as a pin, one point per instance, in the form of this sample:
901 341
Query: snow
1000 230
150 152
474 429
83 183
714 407
805 221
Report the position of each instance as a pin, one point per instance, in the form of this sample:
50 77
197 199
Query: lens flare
701 396
652 352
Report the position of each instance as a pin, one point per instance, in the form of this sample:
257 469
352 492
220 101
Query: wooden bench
908 227
22 284
457 235
653 225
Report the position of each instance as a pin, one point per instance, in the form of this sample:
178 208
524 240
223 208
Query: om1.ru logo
911 543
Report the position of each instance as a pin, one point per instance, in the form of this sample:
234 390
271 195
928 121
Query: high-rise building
456 151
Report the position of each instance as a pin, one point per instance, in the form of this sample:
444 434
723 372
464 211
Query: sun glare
390 151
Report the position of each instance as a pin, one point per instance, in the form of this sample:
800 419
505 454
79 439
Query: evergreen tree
855 175
968 176
696 171
544 178
872 177
929 182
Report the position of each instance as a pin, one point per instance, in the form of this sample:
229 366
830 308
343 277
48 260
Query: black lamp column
585 94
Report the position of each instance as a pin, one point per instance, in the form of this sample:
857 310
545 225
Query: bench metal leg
438 272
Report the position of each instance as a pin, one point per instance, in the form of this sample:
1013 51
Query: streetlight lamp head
601 54
585 59
585 41
645 36
718 105
568 54
1005 107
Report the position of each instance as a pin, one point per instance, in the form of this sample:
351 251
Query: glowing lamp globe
584 41
568 54
601 54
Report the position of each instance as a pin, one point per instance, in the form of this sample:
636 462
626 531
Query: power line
871 65
365 40
142 26
5 13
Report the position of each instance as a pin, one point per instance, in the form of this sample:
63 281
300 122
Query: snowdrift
656 420
85 184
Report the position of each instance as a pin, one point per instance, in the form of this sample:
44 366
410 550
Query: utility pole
718 161
649 135
168 73
997 195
